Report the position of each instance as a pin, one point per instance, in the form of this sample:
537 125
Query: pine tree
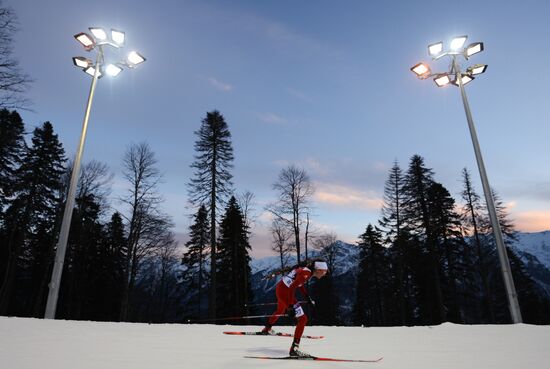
30 217
83 261
12 149
417 218
234 269
112 273
212 182
450 247
395 233
197 252
371 300
471 221
326 310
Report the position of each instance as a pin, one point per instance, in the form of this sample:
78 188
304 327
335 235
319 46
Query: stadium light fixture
97 42
118 37
86 40
458 42
477 69
113 70
435 49
474 48
421 69
458 78
135 58
442 80
99 33
81 62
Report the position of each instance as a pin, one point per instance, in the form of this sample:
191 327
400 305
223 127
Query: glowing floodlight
435 49
474 48
465 80
421 69
81 62
135 58
99 33
477 69
113 70
118 36
442 80
91 72
458 42
85 39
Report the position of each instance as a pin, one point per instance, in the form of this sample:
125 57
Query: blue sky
324 85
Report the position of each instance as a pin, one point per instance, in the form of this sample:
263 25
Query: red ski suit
285 291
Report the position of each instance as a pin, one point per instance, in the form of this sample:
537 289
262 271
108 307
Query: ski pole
232 318
269 303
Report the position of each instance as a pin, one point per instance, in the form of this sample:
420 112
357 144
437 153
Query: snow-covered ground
49 344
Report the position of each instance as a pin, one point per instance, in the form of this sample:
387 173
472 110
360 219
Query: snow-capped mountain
532 248
529 245
536 244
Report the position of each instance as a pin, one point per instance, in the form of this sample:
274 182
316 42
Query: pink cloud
532 221
347 197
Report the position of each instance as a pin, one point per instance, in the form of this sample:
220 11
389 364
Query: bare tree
145 223
247 203
294 190
280 234
13 82
95 180
327 245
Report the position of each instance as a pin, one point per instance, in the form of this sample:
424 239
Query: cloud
299 94
347 197
222 86
272 118
284 36
316 167
532 221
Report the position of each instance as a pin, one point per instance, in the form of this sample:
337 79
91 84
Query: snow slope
537 244
49 344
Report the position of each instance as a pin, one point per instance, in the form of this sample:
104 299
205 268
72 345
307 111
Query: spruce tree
197 251
450 248
12 149
30 217
371 300
472 222
113 255
82 262
211 184
395 233
234 269
417 218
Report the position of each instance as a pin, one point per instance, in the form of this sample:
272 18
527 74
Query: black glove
311 301
290 312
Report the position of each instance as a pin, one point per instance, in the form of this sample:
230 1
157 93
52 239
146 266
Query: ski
239 333
313 358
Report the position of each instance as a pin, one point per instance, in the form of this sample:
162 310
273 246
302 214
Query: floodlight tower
100 38
458 78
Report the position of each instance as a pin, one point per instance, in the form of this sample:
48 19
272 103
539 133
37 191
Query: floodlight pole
55 282
513 303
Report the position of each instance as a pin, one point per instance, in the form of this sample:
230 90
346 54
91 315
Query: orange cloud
532 221
342 196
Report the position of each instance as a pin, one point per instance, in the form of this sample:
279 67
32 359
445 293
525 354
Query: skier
286 300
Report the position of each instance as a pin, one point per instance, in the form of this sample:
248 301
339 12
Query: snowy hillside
346 258
536 244
48 344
